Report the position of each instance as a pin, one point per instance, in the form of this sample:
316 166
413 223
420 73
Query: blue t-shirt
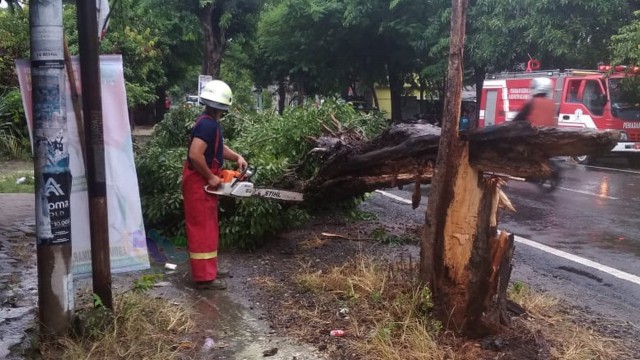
207 129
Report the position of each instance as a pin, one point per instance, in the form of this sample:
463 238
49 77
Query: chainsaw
238 184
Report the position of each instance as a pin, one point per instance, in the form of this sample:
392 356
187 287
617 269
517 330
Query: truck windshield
624 94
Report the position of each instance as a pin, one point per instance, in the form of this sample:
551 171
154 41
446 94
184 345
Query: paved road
593 215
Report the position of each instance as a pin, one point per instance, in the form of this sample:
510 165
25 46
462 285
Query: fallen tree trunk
405 154
402 155
520 149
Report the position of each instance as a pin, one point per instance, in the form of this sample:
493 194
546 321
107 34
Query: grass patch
313 243
568 339
142 327
266 282
388 311
146 282
389 317
9 182
11 146
359 215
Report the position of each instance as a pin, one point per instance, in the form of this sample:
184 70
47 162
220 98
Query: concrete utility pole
51 167
94 140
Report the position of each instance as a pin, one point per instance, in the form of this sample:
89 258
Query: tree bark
214 39
160 105
374 96
395 87
478 73
282 96
407 151
423 88
300 90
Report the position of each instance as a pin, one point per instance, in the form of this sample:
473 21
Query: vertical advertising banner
127 240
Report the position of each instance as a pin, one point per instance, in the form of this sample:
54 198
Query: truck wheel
582 159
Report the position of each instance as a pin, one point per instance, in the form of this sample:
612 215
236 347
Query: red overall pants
201 217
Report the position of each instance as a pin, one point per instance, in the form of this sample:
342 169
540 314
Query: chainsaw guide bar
237 184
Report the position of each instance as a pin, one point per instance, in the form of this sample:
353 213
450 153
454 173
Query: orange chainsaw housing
227 176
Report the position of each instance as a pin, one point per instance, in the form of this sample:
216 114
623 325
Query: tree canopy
325 47
14 32
561 34
624 44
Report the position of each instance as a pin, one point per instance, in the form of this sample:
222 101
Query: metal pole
96 176
51 168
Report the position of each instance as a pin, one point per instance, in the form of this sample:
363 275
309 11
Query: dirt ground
268 282
274 292
7 167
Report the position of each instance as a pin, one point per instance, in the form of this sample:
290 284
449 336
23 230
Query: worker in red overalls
540 110
206 153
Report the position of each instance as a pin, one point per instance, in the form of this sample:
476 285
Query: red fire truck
594 99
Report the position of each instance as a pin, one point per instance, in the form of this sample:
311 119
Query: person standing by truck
206 154
540 109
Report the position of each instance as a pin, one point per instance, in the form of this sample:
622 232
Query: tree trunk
423 88
282 96
463 259
161 105
397 157
405 151
374 96
395 86
214 39
300 90
479 73
132 119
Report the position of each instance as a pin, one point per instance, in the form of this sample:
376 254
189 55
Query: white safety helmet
541 86
217 94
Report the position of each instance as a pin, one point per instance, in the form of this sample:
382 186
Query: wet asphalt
594 214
